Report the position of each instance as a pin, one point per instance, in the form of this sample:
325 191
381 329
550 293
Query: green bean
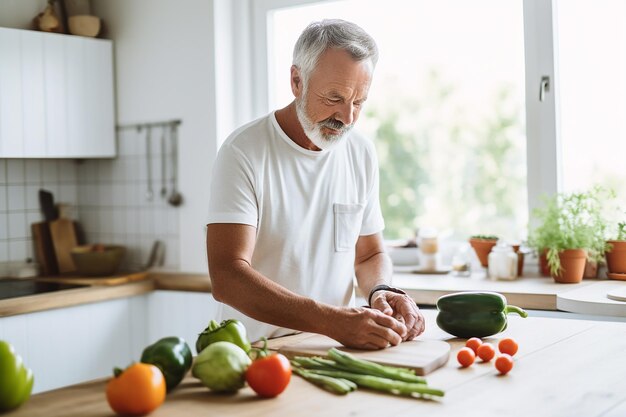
370 368
382 384
339 386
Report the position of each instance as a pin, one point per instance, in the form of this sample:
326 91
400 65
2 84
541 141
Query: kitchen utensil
157 255
93 262
64 240
424 356
149 192
44 250
175 198
117 279
46 203
618 294
163 163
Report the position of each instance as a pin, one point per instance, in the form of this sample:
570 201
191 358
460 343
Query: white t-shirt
308 207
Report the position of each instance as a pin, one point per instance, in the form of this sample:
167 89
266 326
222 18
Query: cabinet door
56 96
11 128
77 115
99 106
33 97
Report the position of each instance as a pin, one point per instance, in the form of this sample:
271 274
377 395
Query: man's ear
296 81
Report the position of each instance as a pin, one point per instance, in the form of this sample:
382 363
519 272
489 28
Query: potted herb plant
482 245
616 253
571 230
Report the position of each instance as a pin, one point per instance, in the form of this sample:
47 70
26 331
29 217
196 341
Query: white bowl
403 256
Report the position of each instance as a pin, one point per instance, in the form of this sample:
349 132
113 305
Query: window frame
542 117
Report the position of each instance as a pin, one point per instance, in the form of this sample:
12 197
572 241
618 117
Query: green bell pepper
172 356
474 314
16 381
232 331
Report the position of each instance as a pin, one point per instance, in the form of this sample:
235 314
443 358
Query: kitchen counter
177 281
563 368
529 292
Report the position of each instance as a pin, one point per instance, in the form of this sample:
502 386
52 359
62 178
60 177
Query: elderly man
294 214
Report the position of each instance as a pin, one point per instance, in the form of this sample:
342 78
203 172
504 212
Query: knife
46 203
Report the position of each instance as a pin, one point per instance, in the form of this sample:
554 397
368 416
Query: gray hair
332 33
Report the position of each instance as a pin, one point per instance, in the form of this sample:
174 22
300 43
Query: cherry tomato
465 357
486 352
270 375
137 390
474 343
508 346
504 363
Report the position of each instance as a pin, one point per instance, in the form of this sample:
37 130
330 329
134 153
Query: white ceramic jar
502 262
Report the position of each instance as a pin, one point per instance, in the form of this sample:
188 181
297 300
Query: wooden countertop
563 368
69 297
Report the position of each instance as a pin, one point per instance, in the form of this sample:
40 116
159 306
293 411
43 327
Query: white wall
165 70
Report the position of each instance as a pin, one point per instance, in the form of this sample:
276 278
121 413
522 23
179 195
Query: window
592 73
445 111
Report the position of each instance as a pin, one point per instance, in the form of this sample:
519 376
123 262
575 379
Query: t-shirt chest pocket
348 219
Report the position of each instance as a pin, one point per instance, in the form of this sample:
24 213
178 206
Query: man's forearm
249 291
373 271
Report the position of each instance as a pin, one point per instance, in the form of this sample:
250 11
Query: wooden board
424 356
64 240
117 279
44 251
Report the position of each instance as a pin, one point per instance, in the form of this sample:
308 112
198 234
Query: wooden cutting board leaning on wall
64 239
424 356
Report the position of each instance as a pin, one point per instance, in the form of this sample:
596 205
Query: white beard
313 130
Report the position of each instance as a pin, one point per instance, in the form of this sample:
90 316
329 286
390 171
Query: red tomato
486 352
465 357
474 343
269 376
508 346
504 363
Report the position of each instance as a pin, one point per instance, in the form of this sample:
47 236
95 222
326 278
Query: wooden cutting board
117 279
64 240
424 356
44 250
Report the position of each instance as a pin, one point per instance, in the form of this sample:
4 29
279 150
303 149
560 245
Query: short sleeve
232 196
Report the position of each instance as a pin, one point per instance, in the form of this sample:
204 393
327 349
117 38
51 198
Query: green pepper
232 331
16 381
172 356
474 314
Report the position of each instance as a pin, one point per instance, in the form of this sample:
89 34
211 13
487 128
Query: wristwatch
383 287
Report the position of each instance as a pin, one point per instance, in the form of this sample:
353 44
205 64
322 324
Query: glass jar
502 262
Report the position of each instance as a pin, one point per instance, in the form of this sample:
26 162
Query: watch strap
383 287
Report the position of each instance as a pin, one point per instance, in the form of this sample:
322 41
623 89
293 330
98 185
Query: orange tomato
474 343
486 352
465 357
137 390
504 363
508 346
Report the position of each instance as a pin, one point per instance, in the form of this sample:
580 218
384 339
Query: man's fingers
380 303
387 322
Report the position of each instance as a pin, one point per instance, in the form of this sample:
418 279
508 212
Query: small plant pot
544 268
482 247
572 266
616 257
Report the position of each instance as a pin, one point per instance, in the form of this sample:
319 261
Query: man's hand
366 328
403 309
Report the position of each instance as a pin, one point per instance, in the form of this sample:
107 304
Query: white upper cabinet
56 96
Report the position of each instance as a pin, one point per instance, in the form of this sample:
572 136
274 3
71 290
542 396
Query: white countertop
530 292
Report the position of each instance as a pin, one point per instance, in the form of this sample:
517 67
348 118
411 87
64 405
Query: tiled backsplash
108 198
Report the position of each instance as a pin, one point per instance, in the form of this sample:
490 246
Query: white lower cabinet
75 344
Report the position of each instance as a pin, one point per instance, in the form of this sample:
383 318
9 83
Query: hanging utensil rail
139 126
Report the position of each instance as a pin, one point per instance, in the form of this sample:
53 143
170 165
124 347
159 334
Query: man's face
331 102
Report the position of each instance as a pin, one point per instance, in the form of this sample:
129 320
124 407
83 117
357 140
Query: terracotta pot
572 266
482 247
616 257
544 268
520 260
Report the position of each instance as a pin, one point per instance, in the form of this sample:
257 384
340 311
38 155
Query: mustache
334 124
